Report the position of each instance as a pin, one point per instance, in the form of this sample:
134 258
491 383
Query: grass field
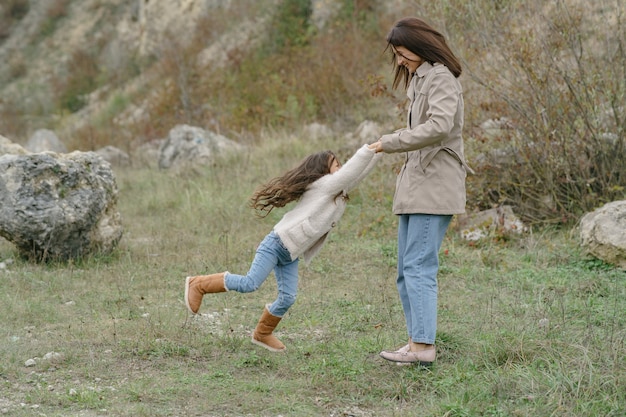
527 327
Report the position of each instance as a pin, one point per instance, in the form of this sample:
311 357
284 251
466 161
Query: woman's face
406 58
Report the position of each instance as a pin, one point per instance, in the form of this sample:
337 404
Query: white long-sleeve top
303 229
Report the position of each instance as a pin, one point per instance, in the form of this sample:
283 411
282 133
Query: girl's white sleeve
368 168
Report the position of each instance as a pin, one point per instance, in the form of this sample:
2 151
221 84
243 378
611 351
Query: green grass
527 327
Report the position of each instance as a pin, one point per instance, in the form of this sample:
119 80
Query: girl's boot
263 336
196 287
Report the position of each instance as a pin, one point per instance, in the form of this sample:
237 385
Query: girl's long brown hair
424 41
280 191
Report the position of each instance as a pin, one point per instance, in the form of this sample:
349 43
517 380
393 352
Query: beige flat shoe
423 357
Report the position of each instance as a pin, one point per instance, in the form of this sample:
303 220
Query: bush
12 11
558 72
81 80
291 26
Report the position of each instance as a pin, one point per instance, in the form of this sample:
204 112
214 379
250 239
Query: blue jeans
271 254
419 240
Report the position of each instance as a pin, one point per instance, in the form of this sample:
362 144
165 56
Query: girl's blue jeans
271 254
419 241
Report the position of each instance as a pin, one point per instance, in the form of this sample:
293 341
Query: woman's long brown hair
424 41
280 191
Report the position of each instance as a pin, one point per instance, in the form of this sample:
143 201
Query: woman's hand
376 146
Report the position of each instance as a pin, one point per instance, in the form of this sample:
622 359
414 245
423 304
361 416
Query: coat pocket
302 233
427 157
413 174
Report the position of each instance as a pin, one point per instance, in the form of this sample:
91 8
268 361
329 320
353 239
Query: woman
430 187
320 185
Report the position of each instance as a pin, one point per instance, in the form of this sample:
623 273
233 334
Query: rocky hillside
76 65
110 43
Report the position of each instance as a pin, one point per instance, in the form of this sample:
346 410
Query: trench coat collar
420 72
423 69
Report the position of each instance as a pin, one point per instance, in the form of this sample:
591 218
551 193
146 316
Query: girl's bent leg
196 287
265 259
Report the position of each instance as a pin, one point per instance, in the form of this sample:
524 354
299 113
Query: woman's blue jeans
419 240
271 254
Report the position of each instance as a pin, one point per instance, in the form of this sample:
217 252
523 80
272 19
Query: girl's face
334 165
406 58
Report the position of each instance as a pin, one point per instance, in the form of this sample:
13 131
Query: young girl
320 187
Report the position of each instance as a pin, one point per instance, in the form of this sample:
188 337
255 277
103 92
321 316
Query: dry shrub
12 124
80 80
557 71
57 9
293 77
11 12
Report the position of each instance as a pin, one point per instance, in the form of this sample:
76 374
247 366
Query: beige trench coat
432 179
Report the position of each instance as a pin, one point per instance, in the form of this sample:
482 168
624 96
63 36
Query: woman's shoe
404 349
422 357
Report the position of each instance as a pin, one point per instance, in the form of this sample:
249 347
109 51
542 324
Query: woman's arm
443 99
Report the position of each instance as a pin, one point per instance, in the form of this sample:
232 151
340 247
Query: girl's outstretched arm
352 172
368 168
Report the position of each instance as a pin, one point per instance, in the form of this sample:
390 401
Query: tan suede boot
196 287
263 336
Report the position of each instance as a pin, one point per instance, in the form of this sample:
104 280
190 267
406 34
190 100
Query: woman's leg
424 235
403 224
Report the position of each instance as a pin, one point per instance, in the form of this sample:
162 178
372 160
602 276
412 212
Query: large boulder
187 145
59 206
603 233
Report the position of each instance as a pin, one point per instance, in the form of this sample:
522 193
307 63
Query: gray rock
315 131
603 233
368 131
45 140
59 206
147 154
188 145
114 156
500 220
